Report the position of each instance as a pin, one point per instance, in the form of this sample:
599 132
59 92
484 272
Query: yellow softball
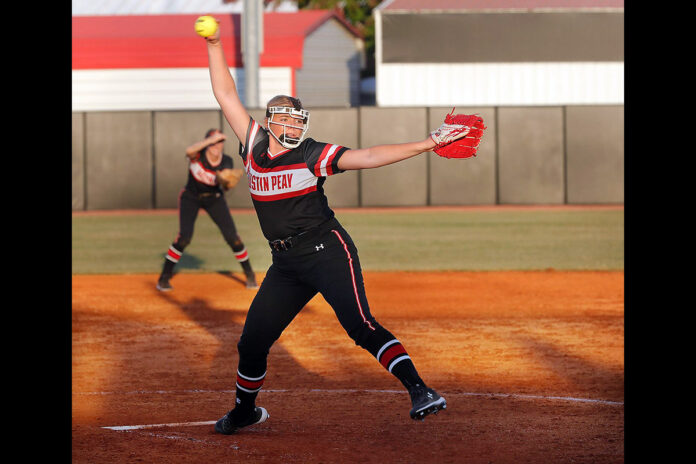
206 26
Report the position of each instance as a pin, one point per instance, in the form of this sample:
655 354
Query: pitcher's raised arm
225 89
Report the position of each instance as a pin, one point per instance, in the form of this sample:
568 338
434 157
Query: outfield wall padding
528 155
400 184
531 155
119 160
595 149
78 161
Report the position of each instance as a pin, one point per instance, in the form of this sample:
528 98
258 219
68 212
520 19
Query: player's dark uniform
203 191
311 252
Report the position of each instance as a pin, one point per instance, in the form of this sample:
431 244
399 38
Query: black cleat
227 426
251 281
163 285
425 401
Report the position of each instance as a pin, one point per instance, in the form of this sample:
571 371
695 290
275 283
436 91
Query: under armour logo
319 247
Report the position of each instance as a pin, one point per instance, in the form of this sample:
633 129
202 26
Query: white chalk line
151 426
193 424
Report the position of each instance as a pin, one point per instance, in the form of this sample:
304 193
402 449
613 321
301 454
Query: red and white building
157 62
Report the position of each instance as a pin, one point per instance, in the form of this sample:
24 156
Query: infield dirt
531 365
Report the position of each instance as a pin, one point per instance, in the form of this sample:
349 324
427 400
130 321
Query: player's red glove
459 136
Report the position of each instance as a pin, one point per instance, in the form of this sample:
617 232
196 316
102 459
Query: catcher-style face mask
298 119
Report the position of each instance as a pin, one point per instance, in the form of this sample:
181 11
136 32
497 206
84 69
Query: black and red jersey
201 174
287 188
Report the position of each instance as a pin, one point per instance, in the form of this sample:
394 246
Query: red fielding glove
459 136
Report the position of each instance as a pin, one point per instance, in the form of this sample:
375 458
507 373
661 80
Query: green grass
401 240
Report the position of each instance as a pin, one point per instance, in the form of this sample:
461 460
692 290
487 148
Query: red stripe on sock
389 355
248 384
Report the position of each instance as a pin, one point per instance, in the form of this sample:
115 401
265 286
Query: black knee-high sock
240 252
393 357
173 257
247 389
389 351
247 267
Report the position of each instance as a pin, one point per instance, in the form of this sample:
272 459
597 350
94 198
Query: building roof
140 7
169 41
393 6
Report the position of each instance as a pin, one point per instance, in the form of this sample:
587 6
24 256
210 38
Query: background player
203 190
311 251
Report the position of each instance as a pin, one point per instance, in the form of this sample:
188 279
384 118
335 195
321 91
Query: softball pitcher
311 252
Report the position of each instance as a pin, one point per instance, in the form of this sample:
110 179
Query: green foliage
389 240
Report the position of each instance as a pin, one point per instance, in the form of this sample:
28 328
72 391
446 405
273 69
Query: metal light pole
252 46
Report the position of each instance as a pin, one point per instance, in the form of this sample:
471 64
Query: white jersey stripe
269 185
325 160
252 136
201 174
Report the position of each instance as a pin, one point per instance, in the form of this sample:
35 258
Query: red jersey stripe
258 168
282 196
317 166
329 165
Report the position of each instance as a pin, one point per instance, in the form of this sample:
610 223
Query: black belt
208 195
284 244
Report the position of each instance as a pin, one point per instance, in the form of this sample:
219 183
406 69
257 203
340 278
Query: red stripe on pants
352 275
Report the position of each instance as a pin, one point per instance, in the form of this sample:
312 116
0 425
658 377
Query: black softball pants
325 261
217 209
